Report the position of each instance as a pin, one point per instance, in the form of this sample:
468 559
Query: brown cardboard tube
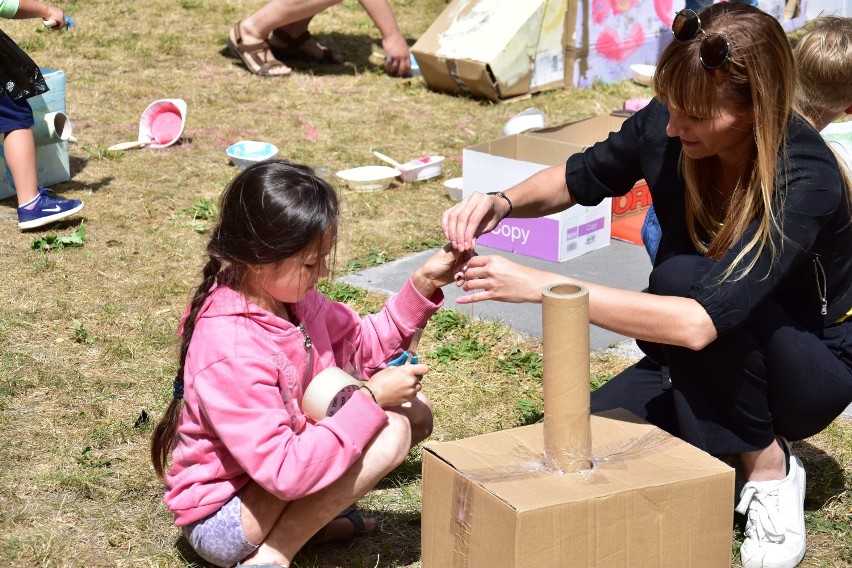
565 334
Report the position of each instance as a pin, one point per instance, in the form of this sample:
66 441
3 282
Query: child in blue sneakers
21 79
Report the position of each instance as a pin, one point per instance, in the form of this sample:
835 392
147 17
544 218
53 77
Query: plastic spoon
52 23
130 145
387 159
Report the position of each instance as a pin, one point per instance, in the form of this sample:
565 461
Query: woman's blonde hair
760 75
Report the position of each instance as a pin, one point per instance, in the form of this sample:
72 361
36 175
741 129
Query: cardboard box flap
510 466
477 30
536 150
583 133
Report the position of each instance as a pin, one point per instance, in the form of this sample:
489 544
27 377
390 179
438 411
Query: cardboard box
499 164
494 49
666 504
52 161
502 163
628 211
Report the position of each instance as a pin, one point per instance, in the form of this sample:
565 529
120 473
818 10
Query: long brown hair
760 74
269 212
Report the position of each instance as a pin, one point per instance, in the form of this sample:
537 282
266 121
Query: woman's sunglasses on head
715 49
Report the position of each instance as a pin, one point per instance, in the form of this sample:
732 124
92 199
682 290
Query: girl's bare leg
283 528
19 147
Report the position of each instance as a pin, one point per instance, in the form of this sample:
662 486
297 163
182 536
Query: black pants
769 377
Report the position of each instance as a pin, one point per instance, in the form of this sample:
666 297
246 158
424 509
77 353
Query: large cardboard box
502 163
494 49
628 211
655 502
499 164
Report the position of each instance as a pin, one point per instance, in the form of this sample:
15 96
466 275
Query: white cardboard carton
499 164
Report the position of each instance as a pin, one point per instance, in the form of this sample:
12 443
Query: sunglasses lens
685 25
715 50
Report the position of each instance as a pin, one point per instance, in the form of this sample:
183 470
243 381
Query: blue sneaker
48 209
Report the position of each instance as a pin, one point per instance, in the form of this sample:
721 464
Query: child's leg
283 528
19 147
16 122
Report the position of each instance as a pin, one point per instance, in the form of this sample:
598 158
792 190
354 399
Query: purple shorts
219 538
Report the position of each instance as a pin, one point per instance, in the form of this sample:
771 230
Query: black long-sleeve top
815 216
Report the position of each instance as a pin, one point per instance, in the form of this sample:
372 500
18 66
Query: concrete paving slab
623 265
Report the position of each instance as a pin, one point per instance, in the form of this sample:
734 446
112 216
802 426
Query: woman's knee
676 276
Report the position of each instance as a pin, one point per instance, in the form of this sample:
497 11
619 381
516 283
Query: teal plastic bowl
247 152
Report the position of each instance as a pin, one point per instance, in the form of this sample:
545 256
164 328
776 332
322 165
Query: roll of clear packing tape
328 392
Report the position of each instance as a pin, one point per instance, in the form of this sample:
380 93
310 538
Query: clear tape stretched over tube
524 463
521 462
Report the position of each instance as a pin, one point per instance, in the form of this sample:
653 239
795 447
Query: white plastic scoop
387 159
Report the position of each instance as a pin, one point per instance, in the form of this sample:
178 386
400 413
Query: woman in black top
746 322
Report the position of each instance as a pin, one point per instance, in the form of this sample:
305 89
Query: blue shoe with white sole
48 209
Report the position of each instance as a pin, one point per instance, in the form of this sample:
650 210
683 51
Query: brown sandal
255 56
283 45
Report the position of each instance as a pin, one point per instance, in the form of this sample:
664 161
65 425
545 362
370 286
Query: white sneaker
775 529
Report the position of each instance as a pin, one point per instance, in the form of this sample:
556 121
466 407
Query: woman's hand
497 278
474 215
439 270
396 385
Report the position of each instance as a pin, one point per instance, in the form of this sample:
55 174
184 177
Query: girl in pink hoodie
252 478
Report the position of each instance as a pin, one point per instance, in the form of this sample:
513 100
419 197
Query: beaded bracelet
504 196
369 390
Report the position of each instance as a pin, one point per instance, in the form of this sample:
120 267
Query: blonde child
252 477
21 79
824 76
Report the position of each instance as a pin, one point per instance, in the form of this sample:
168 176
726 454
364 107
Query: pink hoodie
244 377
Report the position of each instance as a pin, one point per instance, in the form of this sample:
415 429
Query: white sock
30 202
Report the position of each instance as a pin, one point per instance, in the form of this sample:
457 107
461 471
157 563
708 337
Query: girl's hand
476 214
439 270
503 280
55 15
393 386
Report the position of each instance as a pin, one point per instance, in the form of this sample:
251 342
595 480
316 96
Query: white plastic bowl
643 74
247 152
454 188
529 119
368 178
422 168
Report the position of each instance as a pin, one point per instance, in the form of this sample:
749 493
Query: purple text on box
585 228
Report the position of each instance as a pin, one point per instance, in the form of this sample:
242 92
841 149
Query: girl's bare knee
421 420
398 434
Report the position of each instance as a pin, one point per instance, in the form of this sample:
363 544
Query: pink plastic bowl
163 122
